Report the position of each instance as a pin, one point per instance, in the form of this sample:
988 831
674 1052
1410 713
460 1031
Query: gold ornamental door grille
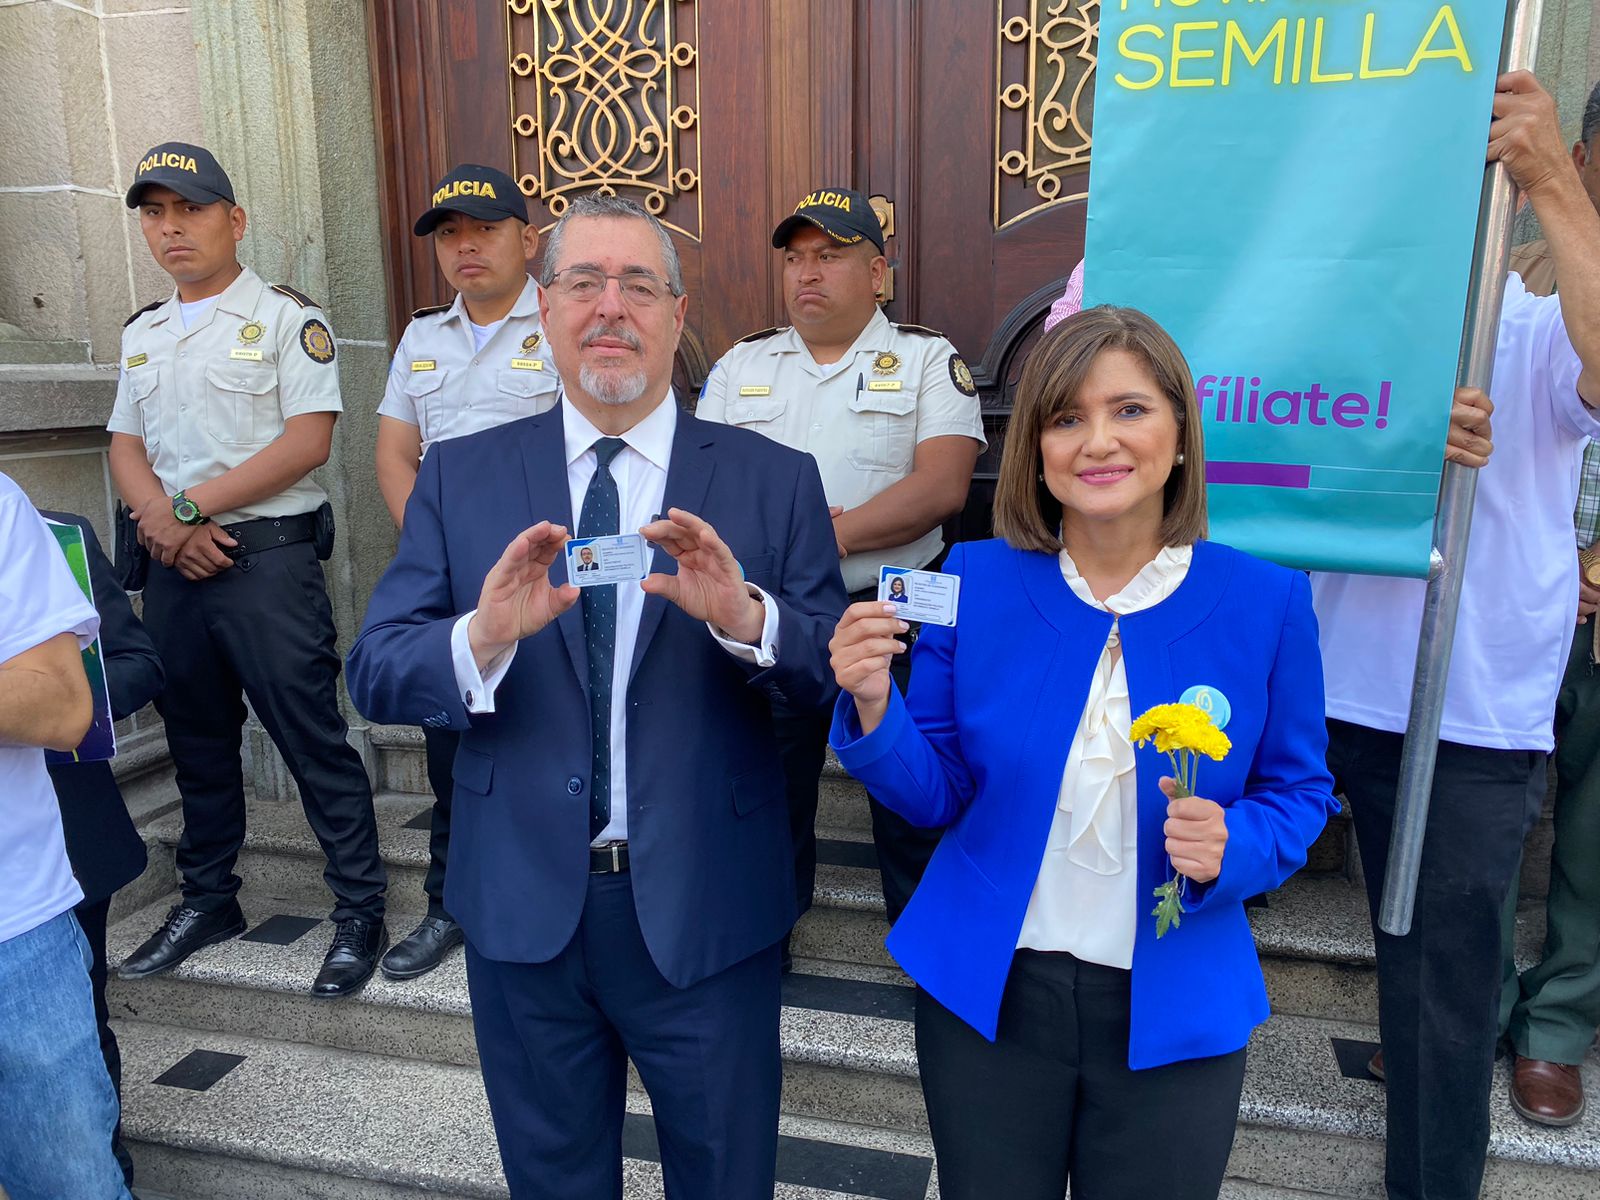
1045 55
605 95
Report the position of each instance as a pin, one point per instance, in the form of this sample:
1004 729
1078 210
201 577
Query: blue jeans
57 1106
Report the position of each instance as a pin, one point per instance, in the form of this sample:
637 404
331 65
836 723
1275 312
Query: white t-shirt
482 333
38 600
193 310
1519 597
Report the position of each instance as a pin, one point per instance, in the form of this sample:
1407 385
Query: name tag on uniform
423 364
246 355
883 385
137 360
527 364
760 390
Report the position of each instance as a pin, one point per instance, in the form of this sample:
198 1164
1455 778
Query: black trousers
1439 986
1052 1098
263 628
92 920
441 746
555 1039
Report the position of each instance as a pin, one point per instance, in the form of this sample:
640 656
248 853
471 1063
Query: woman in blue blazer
1058 1037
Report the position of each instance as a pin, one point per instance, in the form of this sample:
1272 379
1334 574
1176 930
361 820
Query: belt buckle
616 858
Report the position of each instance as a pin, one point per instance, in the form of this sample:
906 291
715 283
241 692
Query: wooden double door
967 120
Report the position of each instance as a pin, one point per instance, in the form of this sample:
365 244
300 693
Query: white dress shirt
640 470
1085 900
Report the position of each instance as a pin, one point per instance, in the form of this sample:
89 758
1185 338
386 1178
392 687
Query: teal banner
1291 188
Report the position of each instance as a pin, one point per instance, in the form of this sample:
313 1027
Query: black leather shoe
423 949
183 932
351 958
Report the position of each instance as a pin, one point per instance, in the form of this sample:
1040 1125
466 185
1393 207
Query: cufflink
469 699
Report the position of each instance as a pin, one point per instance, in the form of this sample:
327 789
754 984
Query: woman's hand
1196 834
862 648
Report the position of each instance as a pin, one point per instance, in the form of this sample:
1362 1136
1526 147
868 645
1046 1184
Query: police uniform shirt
206 397
442 383
860 418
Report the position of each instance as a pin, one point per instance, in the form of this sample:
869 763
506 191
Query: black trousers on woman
1053 1099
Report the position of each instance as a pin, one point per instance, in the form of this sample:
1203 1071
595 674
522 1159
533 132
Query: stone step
1313 934
845 1031
250 1116
233 1117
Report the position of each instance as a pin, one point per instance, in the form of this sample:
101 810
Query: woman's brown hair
1025 513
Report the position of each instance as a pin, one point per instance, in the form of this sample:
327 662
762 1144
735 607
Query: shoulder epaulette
300 298
154 304
922 329
759 335
429 310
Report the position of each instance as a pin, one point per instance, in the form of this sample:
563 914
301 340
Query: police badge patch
316 341
961 376
531 342
886 363
251 332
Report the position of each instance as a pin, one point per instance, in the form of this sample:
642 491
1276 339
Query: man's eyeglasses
585 283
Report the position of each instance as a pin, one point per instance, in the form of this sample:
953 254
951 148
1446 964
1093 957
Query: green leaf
1169 908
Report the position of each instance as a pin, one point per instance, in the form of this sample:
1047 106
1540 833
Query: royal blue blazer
708 823
980 744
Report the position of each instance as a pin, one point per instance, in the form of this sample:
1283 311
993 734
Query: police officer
460 368
225 403
891 415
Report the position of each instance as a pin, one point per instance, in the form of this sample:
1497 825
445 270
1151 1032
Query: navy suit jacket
708 827
103 846
981 743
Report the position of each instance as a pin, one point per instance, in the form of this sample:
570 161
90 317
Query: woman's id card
927 596
597 560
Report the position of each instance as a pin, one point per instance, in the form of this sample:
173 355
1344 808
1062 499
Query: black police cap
843 215
188 170
475 191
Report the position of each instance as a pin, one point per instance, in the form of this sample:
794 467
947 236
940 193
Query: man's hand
1525 134
709 585
1196 833
1588 598
160 532
202 556
861 650
1471 435
516 600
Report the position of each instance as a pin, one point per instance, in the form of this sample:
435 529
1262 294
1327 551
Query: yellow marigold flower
1179 727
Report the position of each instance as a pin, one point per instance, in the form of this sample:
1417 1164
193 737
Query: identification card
927 596
593 561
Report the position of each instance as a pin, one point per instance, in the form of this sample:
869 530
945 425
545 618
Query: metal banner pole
1453 523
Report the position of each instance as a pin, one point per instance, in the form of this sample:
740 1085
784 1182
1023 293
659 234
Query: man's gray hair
1591 118
598 204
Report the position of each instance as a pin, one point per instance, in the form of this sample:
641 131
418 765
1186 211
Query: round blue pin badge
1211 702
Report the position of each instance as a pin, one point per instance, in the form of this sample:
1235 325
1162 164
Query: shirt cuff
475 688
764 655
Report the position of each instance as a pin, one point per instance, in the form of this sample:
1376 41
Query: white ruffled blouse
1084 900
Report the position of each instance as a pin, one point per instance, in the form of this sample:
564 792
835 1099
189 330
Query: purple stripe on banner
1284 475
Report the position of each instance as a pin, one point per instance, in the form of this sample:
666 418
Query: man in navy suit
621 859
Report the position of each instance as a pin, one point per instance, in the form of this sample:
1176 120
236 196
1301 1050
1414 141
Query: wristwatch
1589 566
187 511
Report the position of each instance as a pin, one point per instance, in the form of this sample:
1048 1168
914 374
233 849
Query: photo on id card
927 596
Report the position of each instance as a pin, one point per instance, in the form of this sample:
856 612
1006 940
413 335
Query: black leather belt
269 533
610 859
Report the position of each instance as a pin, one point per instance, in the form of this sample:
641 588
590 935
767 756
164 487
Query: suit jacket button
574 785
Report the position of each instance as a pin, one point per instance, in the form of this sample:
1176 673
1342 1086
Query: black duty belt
269 533
610 859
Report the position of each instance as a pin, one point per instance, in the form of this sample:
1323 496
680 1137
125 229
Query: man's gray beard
611 386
